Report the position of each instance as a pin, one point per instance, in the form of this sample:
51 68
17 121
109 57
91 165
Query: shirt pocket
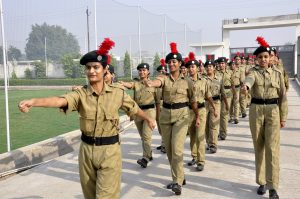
111 121
275 84
87 123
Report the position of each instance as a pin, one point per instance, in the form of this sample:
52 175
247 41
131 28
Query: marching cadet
97 104
241 64
197 134
174 117
162 70
213 113
234 108
276 62
268 113
145 97
227 80
202 70
183 69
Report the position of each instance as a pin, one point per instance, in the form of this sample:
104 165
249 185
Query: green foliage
127 65
12 54
156 63
28 74
58 42
71 66
40 70
113 61
14 75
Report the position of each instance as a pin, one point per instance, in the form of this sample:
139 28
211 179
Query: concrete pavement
230 173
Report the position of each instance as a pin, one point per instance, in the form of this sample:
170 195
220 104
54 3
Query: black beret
192 62
209 62
143 65
94 57
222 59
170 56
262 49
159 68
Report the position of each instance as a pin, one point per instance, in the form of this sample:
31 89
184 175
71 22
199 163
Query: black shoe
192 162
261 190
213 149
244 115
222 136
163 149
159 147
143 162
230 120
235 121
151 158
200 167
170 186
176 189
273 194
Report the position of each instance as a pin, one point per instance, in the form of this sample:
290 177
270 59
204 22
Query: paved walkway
229 173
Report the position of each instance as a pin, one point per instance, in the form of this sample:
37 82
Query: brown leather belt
98 141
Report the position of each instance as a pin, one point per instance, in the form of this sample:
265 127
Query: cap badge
99 58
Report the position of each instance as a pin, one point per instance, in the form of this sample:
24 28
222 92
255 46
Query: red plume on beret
173 46
192 56
200 61
261 41
162 62
238 54
186 59
105 46
209 57
243 55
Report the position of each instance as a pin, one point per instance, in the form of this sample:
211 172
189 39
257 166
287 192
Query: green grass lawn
36 125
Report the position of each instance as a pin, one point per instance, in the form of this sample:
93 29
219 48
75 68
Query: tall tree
58 42
40 70
127 65
13 53
156 63
71 66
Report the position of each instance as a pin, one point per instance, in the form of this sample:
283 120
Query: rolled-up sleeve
73 99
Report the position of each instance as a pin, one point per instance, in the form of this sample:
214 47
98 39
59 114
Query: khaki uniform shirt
201 89
98 114
143 95
175 91
216 86
236 75
227 78
242 69
268 84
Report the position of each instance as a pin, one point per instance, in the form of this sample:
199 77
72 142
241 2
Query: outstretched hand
25 105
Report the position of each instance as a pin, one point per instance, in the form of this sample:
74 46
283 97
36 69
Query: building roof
211 44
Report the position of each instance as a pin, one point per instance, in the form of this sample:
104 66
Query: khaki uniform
234 107
144 96
159 101
280 67
212 122
248 67
243 97
100 166
267 84
197 134
174 122
228 82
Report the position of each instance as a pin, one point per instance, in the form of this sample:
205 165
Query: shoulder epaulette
117 85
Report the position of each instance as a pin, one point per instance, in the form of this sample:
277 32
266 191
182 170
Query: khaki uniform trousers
159 128
145 132
235 105
265 129
174 136
243 102
212 124
197 137
100 171
224 116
